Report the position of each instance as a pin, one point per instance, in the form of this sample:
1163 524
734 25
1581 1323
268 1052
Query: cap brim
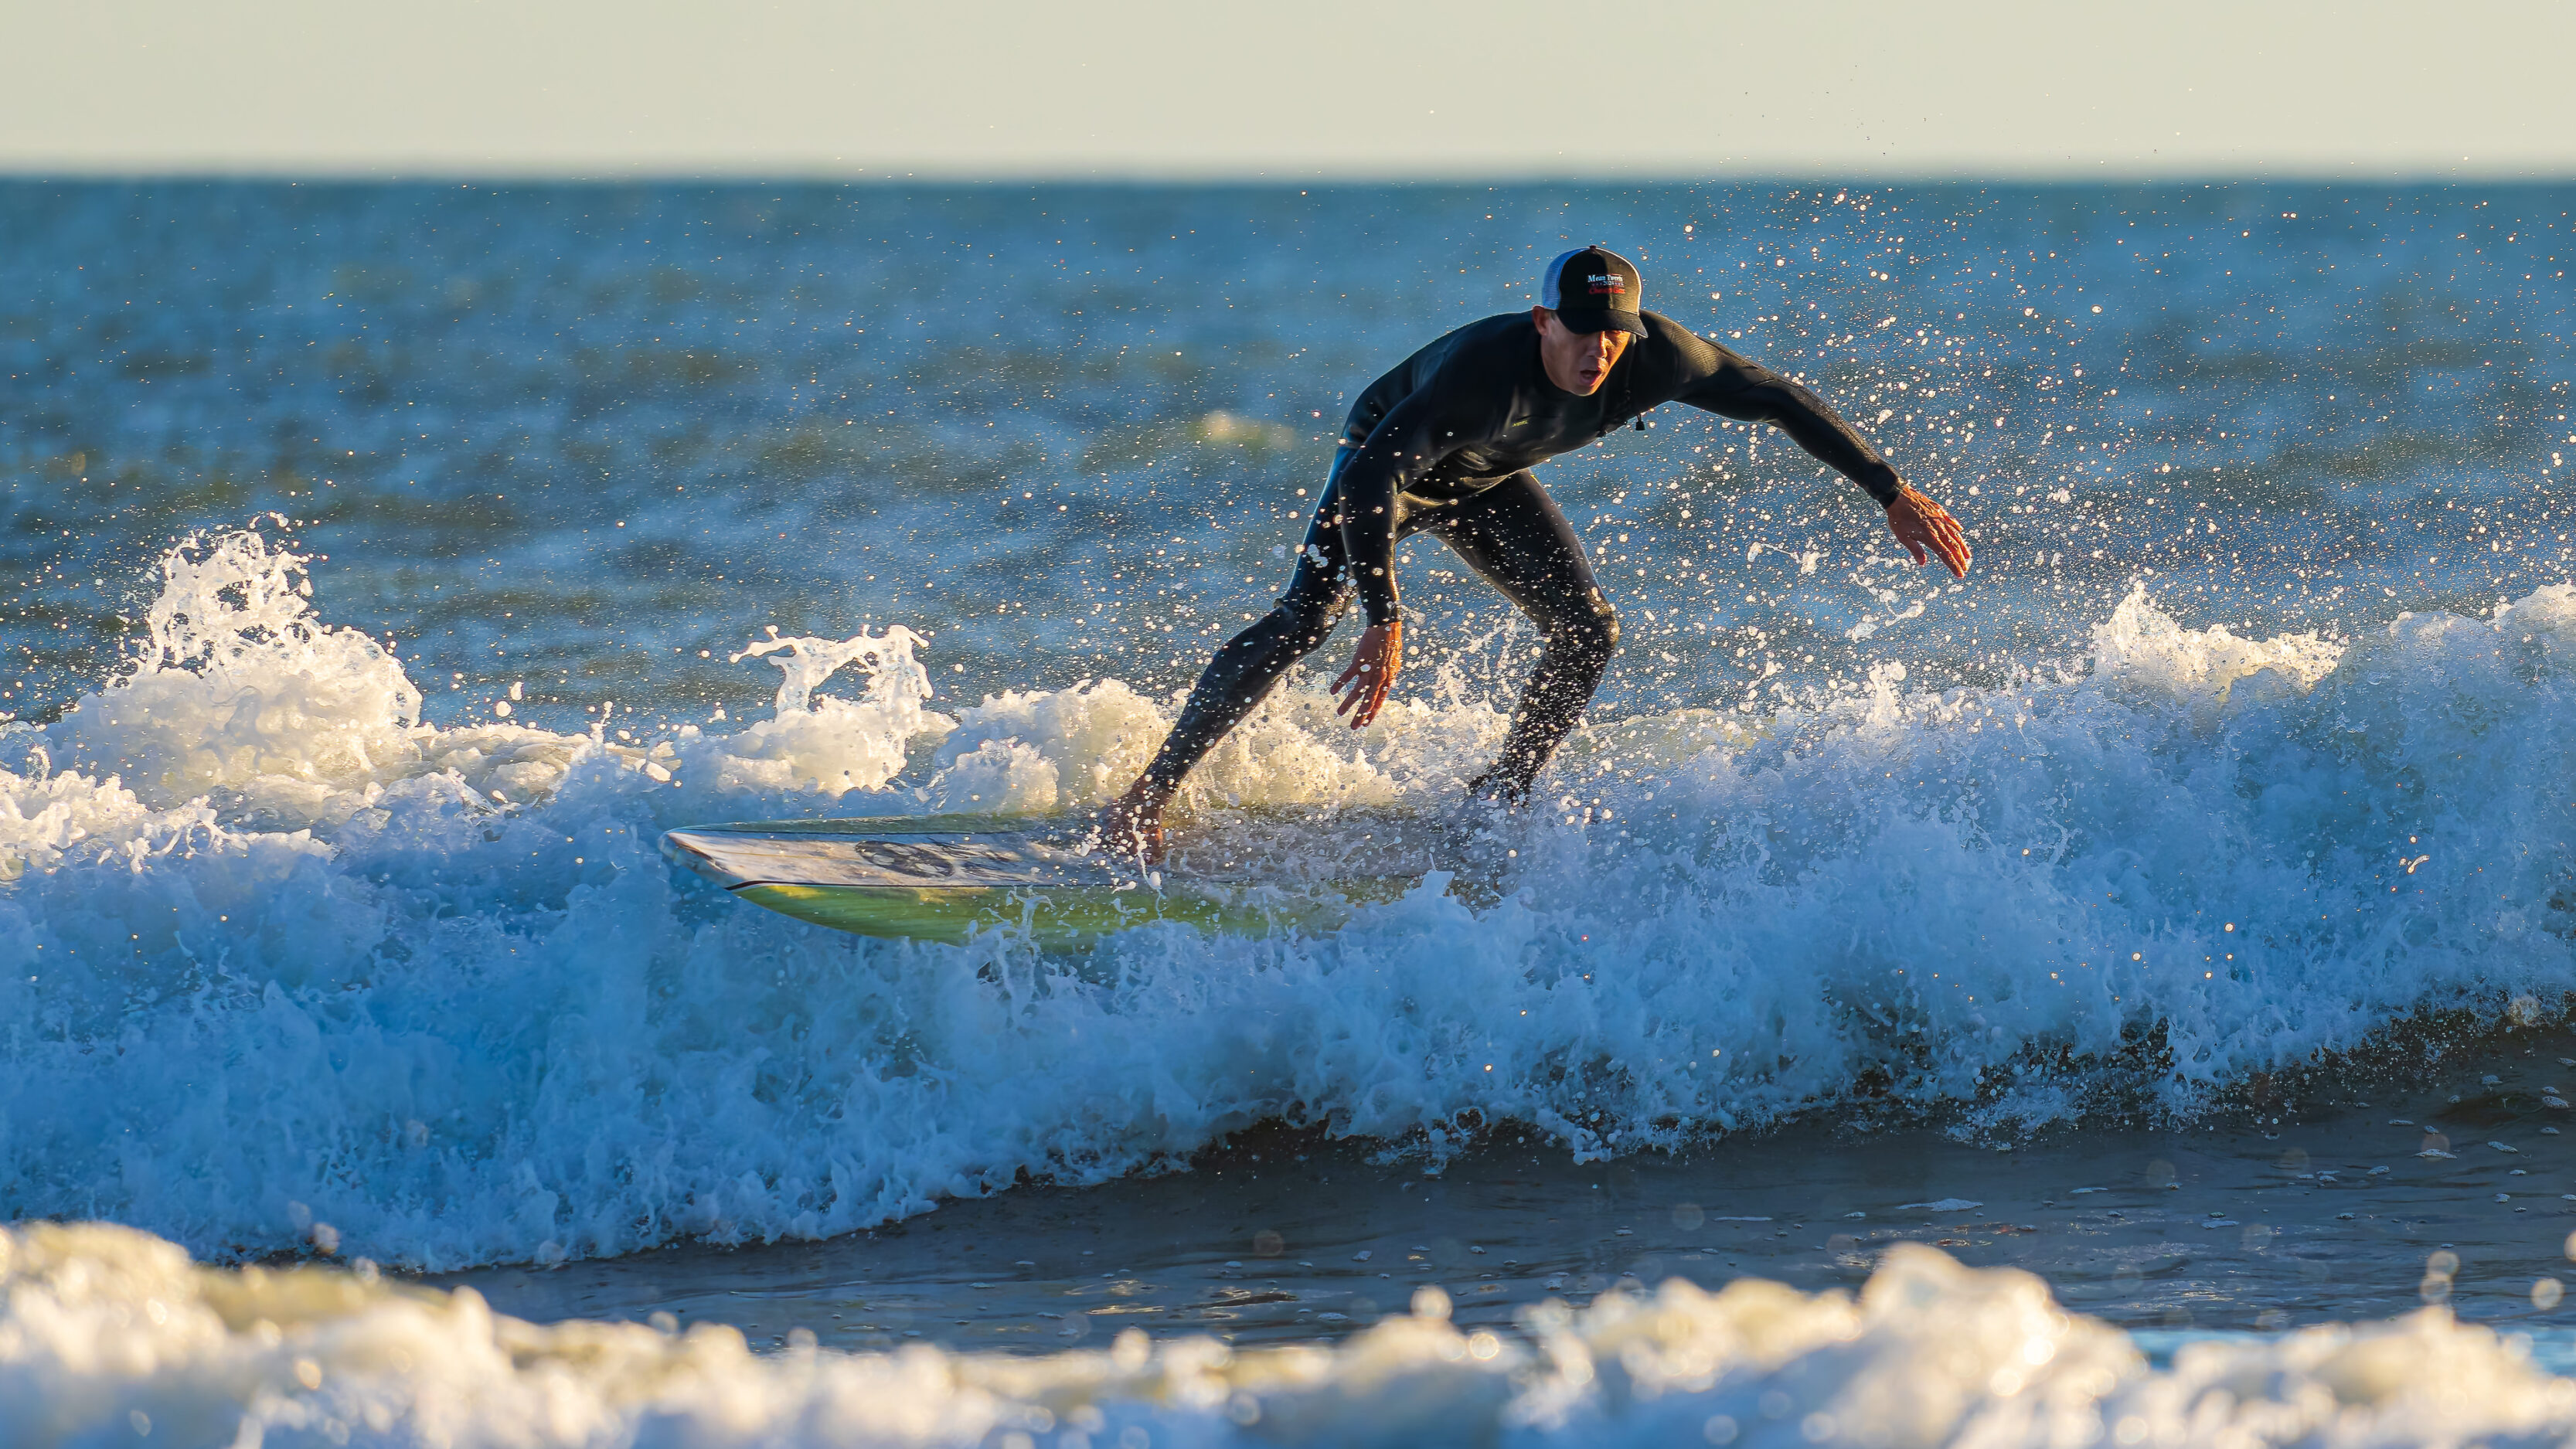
1601 320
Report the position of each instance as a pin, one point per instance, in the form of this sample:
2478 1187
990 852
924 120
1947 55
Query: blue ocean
389 566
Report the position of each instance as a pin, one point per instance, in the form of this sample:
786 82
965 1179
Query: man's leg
1246 668
1515 536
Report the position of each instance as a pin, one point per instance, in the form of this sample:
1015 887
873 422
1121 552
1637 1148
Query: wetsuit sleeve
1742 389
1406 445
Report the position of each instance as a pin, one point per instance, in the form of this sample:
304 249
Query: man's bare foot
1132 825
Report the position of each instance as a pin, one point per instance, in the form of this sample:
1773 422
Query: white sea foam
283 956
239 688
110 1336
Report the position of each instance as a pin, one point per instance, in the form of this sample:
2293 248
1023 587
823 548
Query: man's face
1578 362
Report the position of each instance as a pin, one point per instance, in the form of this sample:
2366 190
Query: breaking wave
296 964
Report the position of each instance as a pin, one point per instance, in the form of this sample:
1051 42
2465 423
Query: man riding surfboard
1443 445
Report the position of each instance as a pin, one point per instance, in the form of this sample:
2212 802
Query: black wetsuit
1443 445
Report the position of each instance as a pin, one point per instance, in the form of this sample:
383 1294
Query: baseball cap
1594 289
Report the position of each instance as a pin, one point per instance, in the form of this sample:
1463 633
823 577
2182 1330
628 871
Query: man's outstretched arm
1748 392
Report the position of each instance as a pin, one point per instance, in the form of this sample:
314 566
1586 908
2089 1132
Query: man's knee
1590 630
1307 615
1301 620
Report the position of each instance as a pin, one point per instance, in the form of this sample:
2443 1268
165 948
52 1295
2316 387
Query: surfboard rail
945 878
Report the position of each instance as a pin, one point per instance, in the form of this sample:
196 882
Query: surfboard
946 877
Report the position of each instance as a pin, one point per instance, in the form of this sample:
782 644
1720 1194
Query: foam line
112 1336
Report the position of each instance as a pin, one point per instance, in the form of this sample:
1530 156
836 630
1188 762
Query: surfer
1443 445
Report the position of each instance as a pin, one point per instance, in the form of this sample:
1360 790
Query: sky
1497 89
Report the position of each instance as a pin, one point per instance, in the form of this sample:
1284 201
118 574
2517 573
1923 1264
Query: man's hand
1920 524
1372 672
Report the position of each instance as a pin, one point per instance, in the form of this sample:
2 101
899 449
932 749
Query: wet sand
2272 1217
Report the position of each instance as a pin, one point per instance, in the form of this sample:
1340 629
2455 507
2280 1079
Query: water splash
822 744
239 687
894 676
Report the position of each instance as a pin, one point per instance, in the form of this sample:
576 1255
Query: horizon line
442 173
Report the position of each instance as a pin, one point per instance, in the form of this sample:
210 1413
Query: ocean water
388 566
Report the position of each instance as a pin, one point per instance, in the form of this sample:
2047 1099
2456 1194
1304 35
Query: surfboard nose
701 852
